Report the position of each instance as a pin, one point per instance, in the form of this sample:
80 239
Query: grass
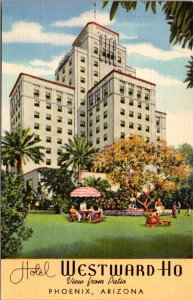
119 237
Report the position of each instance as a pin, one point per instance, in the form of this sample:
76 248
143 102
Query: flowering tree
142 167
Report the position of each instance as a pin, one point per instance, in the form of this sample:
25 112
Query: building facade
95 94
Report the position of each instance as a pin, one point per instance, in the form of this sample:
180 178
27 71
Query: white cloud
149 50
127 37
26 32
157 78
88 16
34 67
179 128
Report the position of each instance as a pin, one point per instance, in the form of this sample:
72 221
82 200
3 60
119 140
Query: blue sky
36 34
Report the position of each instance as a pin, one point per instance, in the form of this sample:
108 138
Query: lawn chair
73 217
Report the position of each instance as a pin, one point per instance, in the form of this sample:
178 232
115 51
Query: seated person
154 217
73 211
91 214
158 206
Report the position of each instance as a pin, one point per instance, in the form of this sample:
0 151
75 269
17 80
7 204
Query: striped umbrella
85 191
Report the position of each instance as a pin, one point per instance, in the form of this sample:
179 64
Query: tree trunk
19 164
79 173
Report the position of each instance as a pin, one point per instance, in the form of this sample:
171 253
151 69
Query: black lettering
68 273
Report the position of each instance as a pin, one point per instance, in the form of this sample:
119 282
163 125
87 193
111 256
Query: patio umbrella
85 191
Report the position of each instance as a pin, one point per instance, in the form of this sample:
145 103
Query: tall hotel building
95 94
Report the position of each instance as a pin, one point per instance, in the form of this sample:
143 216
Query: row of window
105 114
48 96
49 117
122 89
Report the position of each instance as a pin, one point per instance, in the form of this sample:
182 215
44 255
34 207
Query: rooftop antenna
95 11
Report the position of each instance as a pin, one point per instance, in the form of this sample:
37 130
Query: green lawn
119 237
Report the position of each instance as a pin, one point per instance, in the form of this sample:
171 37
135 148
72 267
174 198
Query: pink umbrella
85 191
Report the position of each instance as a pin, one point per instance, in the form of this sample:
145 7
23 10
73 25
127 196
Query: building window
122 123
70 81
69 101
82 123
48 105
122 100
119 59
36 114
139 104
130 102
98 98
36 126
48 117
139 127
59 151
158 130
69 121
122 135
98 141
147 95
96 73
82 134
59 119
58 77
36 103
139 115
59 141
70 111
63 70
105 125
69 131
63 79
48 128
139 90
97 108
82 101
48 95
147 106
122 87
131 114
147 128
59 97
48 162
105 91
90 123
82 79
82 113
90 133
105 137
82 69
82 89
91 102
36 93
91 113
105 114
36 138
82 59
147 139
59 130
96 50
131 88
131 125
70 61
157 121
97 129
60 108
96 63
97 119
48 150
147 117
158 139
105 103
122 112
48 139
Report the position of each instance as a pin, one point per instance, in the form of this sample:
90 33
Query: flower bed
131 212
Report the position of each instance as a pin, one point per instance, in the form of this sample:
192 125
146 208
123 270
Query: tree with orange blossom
142 167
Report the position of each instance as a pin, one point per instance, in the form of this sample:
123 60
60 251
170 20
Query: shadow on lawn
119 248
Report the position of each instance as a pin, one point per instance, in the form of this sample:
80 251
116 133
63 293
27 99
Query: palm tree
100 184
77 153
19 146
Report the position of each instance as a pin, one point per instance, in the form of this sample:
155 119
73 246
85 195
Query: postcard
97 150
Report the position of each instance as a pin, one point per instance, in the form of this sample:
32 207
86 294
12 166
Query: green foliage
102 185
13 213
187 151
178 14
76 153
19 146
57 181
